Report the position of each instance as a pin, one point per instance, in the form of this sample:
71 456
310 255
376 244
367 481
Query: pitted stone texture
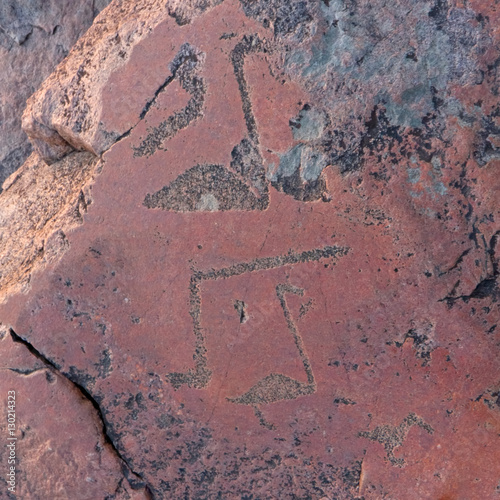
40 204
35 36
286 285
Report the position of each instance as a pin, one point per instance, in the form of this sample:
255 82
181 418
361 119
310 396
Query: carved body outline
241 186
200 376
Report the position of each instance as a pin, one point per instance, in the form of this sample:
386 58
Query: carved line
280 291
250 44
257 174
185 67
265 263
262 420
200 376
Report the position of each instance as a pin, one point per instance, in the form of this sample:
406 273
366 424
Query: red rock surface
284 283
61 451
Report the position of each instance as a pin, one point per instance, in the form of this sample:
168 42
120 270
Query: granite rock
35 36
41 203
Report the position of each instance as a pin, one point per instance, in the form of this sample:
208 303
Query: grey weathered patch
184 11
289 162
436 163
487 145
299 173
439 188
405 115
208 202
309 124
309 162
288 18
399 55
312 164
436 174
413 175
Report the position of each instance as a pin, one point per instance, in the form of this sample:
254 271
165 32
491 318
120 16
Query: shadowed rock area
254 254
35 36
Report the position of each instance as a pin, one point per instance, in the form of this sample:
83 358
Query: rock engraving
392 437
274 387
243 186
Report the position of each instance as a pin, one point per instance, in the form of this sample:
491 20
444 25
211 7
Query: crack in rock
135 479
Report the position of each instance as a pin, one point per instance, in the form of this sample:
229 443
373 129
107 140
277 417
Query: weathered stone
67 112
286 285
41 203
59 449
35 36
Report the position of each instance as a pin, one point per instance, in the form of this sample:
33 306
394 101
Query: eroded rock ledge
39 205
35 36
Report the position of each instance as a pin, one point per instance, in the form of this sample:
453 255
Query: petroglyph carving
186 68
274 387
213 187
393 436
242 186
